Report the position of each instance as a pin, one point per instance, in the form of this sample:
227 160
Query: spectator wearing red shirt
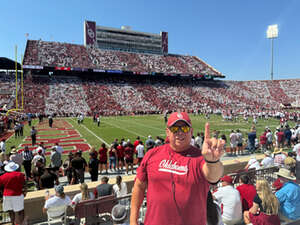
103 158
247 192
263 142
112 157
136 143
280 138
121 155
177 176
13 183
129 151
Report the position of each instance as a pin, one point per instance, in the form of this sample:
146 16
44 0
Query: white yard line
99 138
140 124
129 131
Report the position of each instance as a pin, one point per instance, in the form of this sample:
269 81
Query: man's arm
213 171
137 198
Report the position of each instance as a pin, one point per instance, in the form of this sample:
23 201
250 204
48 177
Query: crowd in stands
121 94
61 91
42 53
7 91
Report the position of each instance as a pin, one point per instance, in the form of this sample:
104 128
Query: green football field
129 127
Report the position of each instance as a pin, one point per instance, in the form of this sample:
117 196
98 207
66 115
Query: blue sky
229 35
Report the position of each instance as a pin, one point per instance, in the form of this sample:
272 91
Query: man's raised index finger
207 130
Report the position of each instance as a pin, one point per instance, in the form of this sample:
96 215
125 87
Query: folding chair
57 214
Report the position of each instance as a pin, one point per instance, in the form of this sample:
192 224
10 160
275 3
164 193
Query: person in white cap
13 194
177 176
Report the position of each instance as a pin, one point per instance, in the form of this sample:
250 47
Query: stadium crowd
115 95
42 53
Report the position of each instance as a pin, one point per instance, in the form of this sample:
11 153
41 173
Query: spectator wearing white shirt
37 157
84 194
269 137
230 198
59 199
140 152
2 145
233 142
120 190
268 161
41 147
253 163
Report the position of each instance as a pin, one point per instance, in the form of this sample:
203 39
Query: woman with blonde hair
83 195
265 206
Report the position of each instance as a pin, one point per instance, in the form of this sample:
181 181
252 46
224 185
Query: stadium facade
124 39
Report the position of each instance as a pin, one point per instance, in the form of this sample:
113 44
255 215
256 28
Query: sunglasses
175 129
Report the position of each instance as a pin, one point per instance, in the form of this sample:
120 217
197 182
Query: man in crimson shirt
136 143
129 152
13 183
280 138
177 176
263 142
247 192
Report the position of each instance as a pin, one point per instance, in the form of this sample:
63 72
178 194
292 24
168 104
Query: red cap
179 116
227 179
277 184
40 151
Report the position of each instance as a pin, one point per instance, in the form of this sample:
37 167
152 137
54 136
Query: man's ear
192 131
167 132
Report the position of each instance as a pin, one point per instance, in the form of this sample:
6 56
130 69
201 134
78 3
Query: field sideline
129 127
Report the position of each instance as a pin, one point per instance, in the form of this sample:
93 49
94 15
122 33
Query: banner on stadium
32 67
89 33
98 71
164 42
114 71
63 68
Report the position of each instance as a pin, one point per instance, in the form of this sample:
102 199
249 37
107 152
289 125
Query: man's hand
212 148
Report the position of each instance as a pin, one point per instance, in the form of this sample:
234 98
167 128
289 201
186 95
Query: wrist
211 162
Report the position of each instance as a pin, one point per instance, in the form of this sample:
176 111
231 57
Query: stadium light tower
272 33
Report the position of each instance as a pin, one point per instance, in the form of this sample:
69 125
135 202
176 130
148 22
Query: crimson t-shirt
247 192
280 136
128 151
13 183
103 154
136 143
177 189
120 151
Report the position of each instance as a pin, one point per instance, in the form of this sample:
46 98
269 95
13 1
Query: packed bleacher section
66 96
114 95
35 92
7 90
55 54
